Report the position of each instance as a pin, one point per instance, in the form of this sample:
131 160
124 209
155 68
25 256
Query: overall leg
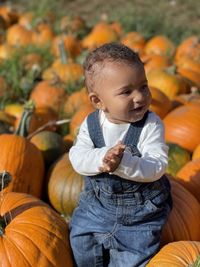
138 235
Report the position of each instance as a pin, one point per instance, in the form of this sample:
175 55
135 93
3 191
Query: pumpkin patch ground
43 101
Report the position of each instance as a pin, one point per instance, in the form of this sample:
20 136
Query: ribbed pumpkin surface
35 235
176 254
64 186
182 126
189 177
183 221
24 162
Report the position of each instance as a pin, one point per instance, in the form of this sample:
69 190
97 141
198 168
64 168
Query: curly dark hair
110 52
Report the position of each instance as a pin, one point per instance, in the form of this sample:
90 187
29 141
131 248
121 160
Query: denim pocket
157 203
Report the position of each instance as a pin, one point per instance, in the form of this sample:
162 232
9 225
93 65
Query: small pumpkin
64 186
42 34
49 94
101 33
160 45
75 101
135 41
17 35
50 144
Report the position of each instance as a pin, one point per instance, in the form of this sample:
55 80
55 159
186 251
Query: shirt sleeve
84 158
153 162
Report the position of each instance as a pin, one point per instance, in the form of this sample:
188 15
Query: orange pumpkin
182 126
135 41
192 76
160 45
78 118
17 35
196 153
68 72
160 103
40 116
179 254
72 45
75 101
189 47
32 234
42 35
24 162
153 62
6 51
101 33
182 99
49 94
189 177
169 83
183 221
64 186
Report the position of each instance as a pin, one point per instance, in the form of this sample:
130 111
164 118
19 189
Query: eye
144 87
127 92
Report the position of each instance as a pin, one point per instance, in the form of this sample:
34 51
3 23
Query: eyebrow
130 85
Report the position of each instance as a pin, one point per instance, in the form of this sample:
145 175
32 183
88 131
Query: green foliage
19 79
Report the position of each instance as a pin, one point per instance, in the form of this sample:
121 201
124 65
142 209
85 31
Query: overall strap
94 129
133 135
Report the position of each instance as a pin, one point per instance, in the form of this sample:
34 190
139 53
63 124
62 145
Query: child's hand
112 158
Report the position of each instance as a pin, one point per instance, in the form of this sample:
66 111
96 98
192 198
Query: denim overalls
118 222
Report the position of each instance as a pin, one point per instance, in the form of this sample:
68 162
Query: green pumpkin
178 157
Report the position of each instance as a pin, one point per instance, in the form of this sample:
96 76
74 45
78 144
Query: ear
96 101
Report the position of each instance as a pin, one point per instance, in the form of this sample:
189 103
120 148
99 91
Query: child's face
122 92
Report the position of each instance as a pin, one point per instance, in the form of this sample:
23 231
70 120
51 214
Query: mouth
138 109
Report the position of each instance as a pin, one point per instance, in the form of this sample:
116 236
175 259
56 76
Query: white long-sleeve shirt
86 159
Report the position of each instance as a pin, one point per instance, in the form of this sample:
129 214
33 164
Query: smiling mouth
138 109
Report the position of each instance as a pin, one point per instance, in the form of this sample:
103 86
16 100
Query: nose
138 98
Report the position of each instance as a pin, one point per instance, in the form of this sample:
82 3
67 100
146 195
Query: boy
120 150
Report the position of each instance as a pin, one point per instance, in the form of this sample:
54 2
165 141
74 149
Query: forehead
120 72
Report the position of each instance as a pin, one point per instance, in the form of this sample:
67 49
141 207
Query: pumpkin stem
63 56
2 225
171 69
23 128
5 179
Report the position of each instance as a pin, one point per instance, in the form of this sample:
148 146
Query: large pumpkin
24 162
177 254
183 221
182 126
189 177
64 186
31 233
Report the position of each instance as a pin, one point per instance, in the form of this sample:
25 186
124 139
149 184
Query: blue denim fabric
118 223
